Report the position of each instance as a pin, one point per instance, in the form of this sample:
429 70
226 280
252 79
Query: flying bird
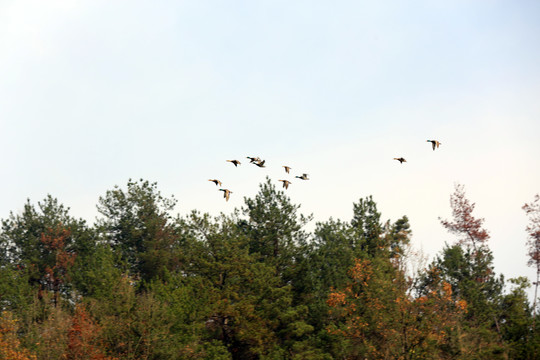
215 181
287 169
434 144
253 159
235 162
401 160
286 183
260 163
303 177
226 193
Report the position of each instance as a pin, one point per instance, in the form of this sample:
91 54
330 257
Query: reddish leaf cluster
83 337
54 241
464 223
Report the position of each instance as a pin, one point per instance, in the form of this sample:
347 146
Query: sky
93 93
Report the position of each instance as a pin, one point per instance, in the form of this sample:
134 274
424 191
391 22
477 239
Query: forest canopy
143 283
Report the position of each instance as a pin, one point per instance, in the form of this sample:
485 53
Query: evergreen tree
273 226
141 284
250 309
138 225
95 272
367 225
40 246
517 323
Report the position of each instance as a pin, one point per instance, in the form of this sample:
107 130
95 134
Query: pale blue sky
93 93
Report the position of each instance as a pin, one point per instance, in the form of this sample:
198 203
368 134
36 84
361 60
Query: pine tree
138 225
274 227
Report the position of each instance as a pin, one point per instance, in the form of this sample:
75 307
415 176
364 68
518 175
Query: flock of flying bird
260 163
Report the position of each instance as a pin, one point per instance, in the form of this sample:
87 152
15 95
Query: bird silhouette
401 160
215 181
253 159
434 144
303 177
235 162
287 169
286 183
226 193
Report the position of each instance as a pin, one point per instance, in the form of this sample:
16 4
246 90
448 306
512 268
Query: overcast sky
93 93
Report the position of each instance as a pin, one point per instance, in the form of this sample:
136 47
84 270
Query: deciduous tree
464 224
61 259
84 337
10 345
382 321
533 242
468 268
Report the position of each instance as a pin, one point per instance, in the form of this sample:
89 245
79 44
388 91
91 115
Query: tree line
142 283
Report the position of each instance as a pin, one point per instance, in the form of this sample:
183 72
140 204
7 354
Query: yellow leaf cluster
9 343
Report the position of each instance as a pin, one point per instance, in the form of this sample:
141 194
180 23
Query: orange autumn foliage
9 343
83 337
382 321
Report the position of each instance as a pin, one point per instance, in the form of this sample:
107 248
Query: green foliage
9 343
273 226
137 224
517 323
367 225
381 321
472 278
94 273
144 284
333 252
250 310
23 242
16 293
470 273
